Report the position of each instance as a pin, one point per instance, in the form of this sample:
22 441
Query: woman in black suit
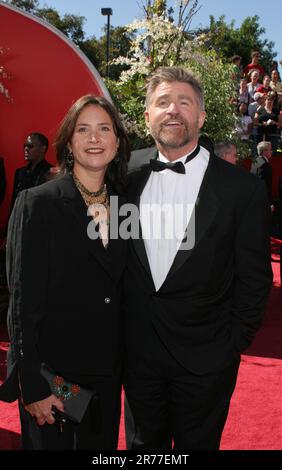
65 274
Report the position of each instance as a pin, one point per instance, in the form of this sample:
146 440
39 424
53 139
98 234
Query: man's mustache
178 121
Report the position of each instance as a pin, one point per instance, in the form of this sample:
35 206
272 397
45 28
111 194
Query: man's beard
175 138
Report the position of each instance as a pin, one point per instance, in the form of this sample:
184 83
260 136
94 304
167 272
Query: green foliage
218 89
157 7
92 49
227 40
70 25
27 5
120 42
129 97
167 49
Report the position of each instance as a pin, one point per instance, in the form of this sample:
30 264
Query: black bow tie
178 167
157 165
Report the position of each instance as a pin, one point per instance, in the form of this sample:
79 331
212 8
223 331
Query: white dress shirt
166 206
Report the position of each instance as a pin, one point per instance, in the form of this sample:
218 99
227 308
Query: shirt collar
162 158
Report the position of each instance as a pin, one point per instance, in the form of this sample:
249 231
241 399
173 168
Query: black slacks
98 429
167 405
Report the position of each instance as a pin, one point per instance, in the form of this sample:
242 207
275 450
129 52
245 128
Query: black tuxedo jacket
65 291
213 299
25 178
265 174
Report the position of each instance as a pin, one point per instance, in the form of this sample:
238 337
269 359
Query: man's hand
42 410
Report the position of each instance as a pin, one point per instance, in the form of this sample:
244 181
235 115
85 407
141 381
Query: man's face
255 77
266 81
33 149
261 100
268 152
274 76
173 115
231 155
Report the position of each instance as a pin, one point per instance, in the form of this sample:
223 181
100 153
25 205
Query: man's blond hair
174 74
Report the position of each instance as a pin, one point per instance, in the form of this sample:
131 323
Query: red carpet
255 416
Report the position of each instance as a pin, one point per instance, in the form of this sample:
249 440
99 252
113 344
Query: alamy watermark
159 222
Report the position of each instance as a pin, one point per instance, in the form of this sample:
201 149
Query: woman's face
255 77
243 84
94 143
274 76
269 101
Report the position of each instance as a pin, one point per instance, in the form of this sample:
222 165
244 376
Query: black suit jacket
65 291
265 174
25 178
213 299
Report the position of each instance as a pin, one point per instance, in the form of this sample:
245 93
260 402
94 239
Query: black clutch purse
75 398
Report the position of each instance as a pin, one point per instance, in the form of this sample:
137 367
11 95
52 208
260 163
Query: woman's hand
42 409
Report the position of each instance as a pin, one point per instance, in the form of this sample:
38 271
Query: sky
124 11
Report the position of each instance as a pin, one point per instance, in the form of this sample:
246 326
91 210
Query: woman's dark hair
117 168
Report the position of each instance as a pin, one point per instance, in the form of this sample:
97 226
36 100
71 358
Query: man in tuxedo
197 278
262 168
37 169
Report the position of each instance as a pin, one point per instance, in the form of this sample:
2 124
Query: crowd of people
164 305
258 102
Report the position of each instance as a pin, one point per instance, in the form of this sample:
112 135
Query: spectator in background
252 110
262 168
243 93
237 69
254 84
259 100
37 170
254 65
274 66
244 123
268 120
227 151
2 180
265 87
275 83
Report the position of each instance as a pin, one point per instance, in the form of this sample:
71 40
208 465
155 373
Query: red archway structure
46 73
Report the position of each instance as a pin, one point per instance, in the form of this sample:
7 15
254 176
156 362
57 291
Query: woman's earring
69 161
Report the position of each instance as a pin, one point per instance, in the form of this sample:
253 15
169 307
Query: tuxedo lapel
117 246
136 188
201 219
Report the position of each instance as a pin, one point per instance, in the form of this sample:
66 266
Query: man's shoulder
140 158
21 169
46 164
50 189
236 177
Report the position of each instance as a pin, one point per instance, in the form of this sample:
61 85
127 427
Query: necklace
92 197
86 191
100 214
